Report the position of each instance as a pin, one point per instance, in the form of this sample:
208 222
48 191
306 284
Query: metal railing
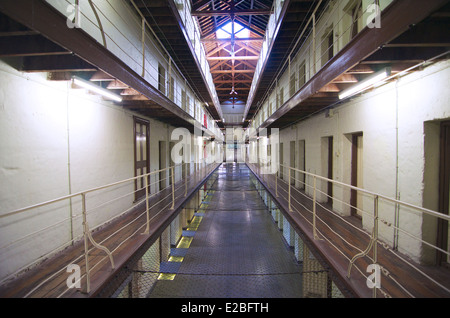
109 203
297 187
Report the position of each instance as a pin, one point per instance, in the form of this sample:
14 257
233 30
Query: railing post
173 188
372 245
147 229
375 238
314 207
86 246
289 188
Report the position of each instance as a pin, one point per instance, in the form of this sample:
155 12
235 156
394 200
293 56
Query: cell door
141 154
357 174
444 194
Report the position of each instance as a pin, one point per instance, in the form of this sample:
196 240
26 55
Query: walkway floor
237 250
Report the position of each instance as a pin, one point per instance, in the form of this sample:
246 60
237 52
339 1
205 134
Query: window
226 31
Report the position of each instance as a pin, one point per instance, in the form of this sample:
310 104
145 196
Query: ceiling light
96 89
367 83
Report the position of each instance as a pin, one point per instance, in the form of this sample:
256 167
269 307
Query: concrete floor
237 251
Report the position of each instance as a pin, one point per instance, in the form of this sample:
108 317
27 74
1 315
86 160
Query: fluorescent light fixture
96 89
367 83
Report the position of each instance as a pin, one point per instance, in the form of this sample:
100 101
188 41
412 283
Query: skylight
226 31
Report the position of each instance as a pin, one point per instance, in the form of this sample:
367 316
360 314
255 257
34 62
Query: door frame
139 163
444 183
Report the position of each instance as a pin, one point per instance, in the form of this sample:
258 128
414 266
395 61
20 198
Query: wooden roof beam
230 58
200 5
218 13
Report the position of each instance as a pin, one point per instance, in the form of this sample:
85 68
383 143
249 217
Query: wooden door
141 154
356 174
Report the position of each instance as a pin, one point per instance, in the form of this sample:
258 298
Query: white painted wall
415 102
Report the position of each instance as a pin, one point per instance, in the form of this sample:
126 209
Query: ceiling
232 58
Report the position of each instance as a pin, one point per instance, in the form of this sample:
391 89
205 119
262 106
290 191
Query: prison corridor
232 248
